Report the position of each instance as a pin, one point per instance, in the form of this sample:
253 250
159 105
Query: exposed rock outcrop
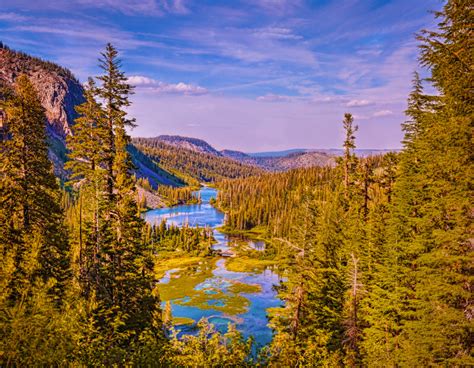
59 92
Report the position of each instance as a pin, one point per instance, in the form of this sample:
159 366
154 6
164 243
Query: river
208 289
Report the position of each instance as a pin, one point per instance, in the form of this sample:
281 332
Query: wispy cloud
166 88
280 33
273 98
280 7
359 103
284 71
382 113
12 17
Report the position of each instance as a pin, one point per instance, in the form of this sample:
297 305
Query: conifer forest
164 252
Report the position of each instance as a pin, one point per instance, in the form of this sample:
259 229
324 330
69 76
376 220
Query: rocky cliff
58 90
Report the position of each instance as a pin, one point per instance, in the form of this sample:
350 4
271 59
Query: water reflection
211 290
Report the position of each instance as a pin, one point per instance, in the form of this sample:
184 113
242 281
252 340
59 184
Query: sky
250 75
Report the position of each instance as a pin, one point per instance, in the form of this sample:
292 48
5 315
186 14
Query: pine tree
115 92
349 159
127 272
37 324
31 218
87 159
427 277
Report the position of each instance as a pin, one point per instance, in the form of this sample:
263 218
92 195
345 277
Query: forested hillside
379 251
199 166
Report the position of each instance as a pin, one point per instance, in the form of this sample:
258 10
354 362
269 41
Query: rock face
192 144
59 92
58 89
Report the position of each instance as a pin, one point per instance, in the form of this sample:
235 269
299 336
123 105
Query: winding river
207 288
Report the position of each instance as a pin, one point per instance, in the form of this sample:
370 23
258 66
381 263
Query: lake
207 288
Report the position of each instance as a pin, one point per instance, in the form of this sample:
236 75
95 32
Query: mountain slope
270 161
296 160
58 90
283 161
203 167
192 144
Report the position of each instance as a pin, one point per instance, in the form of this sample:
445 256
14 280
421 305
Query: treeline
176 196
37 63
379 257
202 167
272 201
171 238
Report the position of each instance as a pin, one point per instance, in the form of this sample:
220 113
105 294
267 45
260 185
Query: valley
162 250
205 287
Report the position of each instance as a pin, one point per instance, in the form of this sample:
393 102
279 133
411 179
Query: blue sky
250 74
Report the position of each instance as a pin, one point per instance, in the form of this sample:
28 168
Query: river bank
237 290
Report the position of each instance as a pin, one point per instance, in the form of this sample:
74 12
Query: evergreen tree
349 159
127 279
37 323
115 92
31 219
87 160
428 274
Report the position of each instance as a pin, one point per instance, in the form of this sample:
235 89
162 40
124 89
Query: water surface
209 289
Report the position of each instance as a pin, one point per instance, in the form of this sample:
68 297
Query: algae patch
240 287
183 321
243 264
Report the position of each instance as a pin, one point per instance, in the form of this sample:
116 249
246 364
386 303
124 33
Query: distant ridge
363 152
193 144
278 153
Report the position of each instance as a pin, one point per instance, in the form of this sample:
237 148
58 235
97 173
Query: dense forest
200 166
379 250
376 252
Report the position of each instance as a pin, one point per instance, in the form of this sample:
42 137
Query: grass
180 321
244 264
256 233
165 264
191 272
240 287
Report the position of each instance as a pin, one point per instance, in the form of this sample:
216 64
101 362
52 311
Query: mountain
362 152
191 165
192 144
268 161
283 160
278 153
58 90
239 156
295 160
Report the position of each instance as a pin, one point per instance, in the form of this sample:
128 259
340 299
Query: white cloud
149 7
381 113
273 98
358 103
279 33
166 88
12 17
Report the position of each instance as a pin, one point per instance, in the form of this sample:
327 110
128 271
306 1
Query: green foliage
199 166
177 196
31 231
376 252
191 240
209 348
